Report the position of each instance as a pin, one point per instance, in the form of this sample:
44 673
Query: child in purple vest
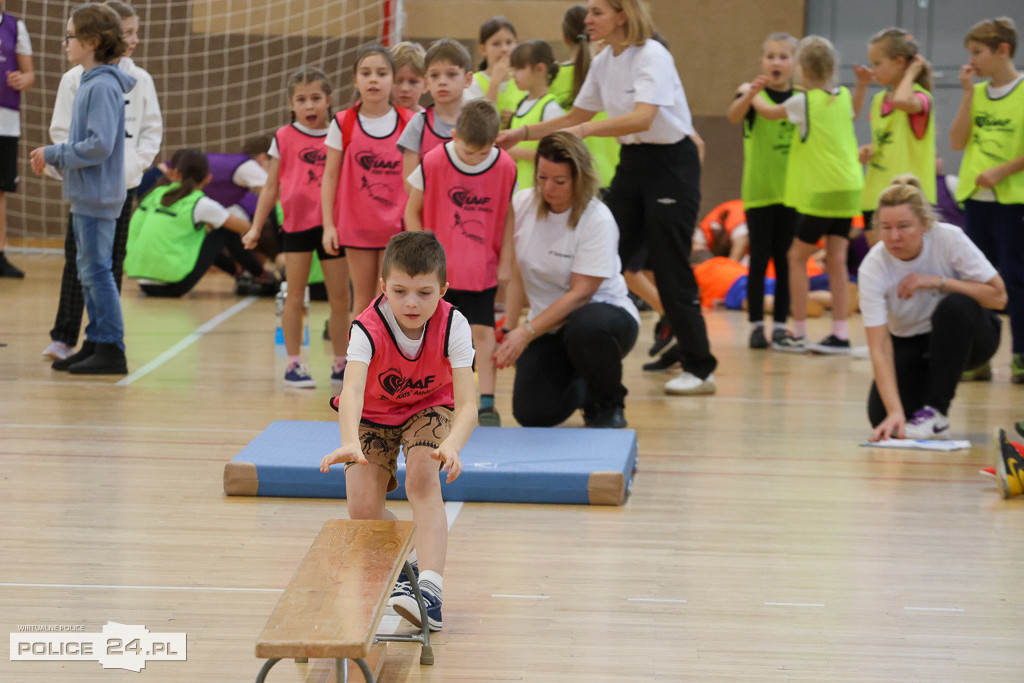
16 60
409 385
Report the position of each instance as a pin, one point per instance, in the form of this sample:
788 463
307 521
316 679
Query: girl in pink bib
363 193
297 158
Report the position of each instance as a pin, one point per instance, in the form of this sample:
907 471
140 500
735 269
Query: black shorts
810 229
307 241
478 307
8 164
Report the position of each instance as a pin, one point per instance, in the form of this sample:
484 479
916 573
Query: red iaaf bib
370 203
467 214
429 139
398 387
301 168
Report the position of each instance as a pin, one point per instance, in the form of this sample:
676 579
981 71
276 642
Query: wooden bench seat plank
333 605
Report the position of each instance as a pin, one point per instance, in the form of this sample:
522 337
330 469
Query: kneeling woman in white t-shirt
568 353
927 296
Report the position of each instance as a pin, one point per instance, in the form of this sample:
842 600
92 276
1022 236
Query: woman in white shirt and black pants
568 352
928 298
656 191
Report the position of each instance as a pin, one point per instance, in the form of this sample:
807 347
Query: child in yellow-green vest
989 127
566 85
493 80
823 183
766 144
177 232
902 120
533 67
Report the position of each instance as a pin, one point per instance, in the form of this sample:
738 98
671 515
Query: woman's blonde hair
639 25
898 43
818 58
565 148
905 190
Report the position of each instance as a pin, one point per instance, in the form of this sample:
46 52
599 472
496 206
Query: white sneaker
688 384
927 423
57 351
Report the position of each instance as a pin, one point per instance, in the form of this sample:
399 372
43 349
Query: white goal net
220 69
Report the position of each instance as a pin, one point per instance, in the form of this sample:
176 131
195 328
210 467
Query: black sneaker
8 269
604 417
757 338
789 343
109 359
88 348
664 361
830 346
662 336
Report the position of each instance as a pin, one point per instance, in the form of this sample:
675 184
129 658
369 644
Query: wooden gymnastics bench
333 605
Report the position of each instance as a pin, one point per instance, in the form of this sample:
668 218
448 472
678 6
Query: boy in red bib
409 384
462 193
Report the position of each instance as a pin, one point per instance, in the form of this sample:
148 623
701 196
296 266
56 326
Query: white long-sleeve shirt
143 122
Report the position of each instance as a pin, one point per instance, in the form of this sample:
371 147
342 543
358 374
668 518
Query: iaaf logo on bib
465 199
396 385
372 162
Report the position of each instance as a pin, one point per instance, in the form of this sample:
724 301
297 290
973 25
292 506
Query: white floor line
186 342
655 600
934 609
452 509
521 597
142 588
795 604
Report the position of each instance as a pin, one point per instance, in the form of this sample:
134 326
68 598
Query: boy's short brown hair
93 21
451 51
478 123
993 32
415 253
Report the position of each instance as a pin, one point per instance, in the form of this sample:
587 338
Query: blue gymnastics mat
499 464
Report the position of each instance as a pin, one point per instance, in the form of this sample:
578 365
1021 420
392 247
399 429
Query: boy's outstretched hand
343 454
452 465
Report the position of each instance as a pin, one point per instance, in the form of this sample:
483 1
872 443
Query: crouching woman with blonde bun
927 296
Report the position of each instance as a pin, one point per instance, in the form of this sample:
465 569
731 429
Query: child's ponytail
193 167
574 32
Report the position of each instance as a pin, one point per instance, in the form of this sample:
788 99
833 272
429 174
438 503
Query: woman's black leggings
580 365
211 253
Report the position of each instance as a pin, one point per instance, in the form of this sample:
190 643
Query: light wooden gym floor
761 542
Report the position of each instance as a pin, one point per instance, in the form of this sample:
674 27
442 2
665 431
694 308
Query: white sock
412 557
758 324
779 326
432 578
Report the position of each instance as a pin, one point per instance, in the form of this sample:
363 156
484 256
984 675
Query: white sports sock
434 579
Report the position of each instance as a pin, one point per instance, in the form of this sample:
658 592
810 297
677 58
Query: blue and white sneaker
338 373
407 607
297 376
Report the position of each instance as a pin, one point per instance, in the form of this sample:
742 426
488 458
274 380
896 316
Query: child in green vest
902 124
766 146
533 68
989 127
177 232
823 184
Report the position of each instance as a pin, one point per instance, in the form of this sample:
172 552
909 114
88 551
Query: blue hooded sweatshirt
92 160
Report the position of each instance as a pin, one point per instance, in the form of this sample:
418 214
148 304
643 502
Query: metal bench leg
341 670
426 652
266 668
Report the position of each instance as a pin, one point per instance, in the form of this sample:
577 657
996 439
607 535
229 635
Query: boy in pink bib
409 385
462 193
